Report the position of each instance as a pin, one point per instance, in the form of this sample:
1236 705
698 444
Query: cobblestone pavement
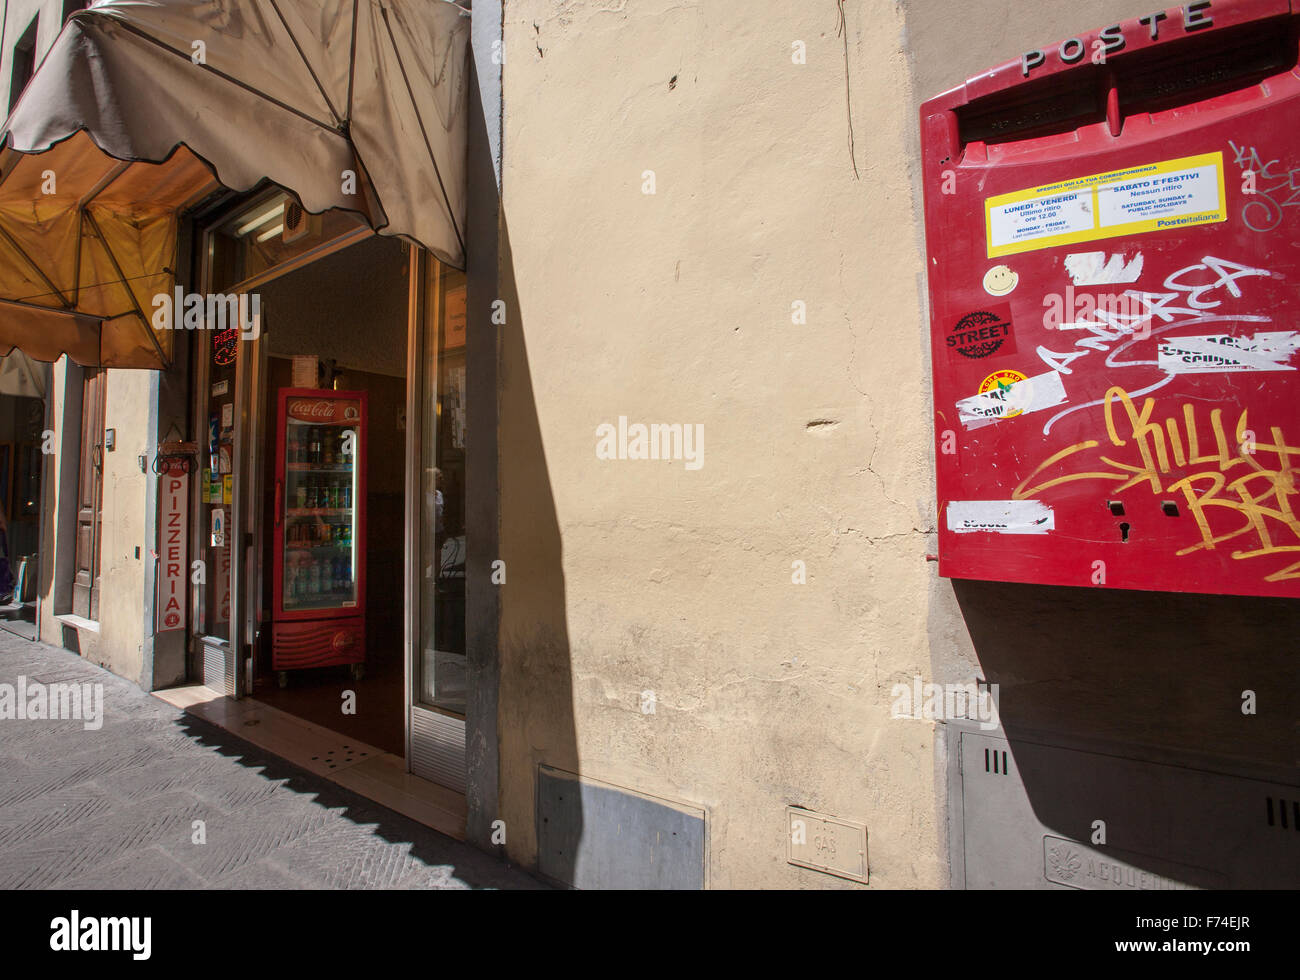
114 808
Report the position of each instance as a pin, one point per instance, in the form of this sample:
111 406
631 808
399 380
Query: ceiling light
260 220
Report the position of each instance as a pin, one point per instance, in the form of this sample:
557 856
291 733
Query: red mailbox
1113 246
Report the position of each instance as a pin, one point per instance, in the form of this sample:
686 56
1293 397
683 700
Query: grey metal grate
1287 813
438 748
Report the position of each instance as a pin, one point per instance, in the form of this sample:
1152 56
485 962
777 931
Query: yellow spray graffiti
1247 485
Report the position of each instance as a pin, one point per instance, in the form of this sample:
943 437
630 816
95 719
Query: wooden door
90 496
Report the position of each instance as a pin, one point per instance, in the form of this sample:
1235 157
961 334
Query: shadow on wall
1152 675
536 718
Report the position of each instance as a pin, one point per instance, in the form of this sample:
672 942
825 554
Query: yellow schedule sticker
1161 196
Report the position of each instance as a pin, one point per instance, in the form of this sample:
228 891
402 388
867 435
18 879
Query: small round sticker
1000 280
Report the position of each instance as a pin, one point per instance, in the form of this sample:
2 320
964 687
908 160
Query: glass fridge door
321 506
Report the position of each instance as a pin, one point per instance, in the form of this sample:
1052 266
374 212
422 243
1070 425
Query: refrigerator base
318 643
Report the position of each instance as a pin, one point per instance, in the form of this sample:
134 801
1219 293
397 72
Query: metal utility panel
828 844
1113 250
595 835
1023 817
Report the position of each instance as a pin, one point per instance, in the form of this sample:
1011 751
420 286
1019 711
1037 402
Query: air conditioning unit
298 224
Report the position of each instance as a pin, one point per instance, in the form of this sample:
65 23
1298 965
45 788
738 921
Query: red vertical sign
173 522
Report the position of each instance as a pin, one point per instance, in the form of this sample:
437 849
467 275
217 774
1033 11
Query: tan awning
144 107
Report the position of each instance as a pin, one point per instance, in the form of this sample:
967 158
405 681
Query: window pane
216 476
442 536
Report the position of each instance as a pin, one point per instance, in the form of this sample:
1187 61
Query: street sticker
982 333
1160 196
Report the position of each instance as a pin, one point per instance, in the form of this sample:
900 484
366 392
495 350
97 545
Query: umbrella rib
307 64
163 358
229 78
37 308
429 149
76 261
36 268
104 183
119 167
352 60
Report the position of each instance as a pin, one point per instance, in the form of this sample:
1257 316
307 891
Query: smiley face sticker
1000 280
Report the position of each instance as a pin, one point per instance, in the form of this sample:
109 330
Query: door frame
245 516
436 739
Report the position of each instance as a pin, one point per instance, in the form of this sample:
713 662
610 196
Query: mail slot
1113 249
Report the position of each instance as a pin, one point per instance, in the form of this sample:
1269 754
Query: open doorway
330 649
22 422
331 509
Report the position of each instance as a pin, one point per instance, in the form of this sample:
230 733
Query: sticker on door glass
1162 196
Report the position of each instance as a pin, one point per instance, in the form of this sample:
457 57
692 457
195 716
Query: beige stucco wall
676 307
626 576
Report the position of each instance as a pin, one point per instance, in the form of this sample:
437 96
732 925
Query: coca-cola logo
343 640
312 410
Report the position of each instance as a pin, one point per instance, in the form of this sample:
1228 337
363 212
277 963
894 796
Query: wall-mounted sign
218 528
225 346
173 523
306 371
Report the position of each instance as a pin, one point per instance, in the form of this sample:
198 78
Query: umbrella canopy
143 108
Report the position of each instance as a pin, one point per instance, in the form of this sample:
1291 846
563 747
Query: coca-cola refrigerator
318 618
